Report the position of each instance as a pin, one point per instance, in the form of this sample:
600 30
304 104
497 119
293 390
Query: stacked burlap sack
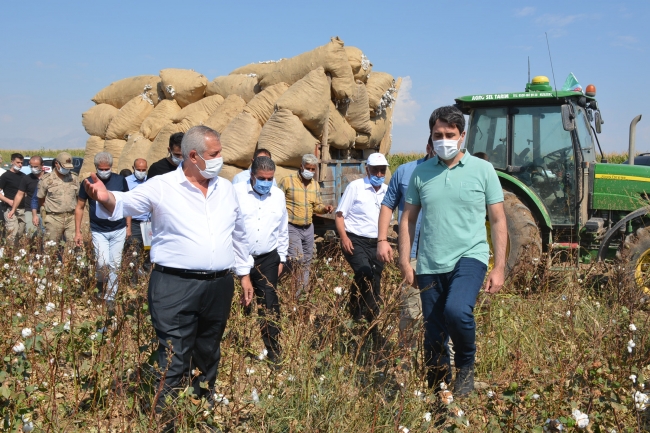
327 98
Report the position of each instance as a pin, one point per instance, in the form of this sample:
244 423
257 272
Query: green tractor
542 142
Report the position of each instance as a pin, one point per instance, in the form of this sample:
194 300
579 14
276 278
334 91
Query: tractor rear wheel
524 234
636 253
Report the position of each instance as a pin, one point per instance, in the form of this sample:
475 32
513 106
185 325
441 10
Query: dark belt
301 226
353 235
191 273
261 256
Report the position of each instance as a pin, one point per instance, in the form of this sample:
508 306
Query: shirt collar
462 161
180 177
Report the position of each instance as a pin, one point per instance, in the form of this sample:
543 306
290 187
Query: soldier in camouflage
57 194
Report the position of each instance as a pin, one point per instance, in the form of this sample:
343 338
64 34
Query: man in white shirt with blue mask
357 219
266 219
199 242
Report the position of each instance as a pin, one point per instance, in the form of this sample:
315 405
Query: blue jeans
448 311
108 251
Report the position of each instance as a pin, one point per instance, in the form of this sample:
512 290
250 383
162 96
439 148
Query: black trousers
365 294
189 317
264 277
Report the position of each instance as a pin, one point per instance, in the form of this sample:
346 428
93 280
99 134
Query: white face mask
36 170
307 174
104 174
63 171
139 174
212 167
446 149
175 160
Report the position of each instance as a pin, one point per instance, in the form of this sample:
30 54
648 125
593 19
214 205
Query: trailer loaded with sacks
328 101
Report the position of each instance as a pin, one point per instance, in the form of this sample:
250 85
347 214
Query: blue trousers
448 311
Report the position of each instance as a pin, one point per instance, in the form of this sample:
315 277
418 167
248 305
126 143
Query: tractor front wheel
636 253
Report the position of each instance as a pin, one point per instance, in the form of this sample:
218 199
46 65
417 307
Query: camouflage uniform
60 196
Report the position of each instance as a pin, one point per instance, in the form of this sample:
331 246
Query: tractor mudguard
604 246
538 209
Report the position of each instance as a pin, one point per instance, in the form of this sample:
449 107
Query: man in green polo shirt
452 189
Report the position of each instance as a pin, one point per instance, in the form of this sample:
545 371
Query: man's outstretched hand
96 190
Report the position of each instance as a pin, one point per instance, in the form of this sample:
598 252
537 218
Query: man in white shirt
357 219
199 240
266 220
245 176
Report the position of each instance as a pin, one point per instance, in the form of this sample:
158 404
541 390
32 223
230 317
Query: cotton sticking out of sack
120 92
225 113
262 105
96 119
309 99
286 138
183 85
359 63
239 140
241 85
130 117
159 117
381 89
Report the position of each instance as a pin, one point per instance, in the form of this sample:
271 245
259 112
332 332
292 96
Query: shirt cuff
102 212
245 268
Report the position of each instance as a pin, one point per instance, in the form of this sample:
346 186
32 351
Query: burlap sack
256 69
183 85
286 138
241 85
120 92
372 140
114 147
359 63
159 117
130 117
282 172
387 140
137 146
309 99
332 57
356 110
225 113
340 135
229 172
204 108
194 119
159 149
94 145
379 92
262 105
239 139
97 118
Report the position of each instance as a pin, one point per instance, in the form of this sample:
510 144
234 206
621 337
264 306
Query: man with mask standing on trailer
356 223
199 241
265 214
303 198
169 163
108 236
452 191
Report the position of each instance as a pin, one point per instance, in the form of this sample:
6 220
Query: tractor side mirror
568 118
598 121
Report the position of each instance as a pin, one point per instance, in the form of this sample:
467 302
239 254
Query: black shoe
437 374
464 383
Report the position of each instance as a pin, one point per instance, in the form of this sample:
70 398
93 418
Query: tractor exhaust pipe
632 150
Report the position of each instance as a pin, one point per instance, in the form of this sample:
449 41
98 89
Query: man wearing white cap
357 219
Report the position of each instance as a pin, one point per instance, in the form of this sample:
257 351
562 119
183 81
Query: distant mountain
72 140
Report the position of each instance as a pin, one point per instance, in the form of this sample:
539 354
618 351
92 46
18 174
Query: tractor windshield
541 152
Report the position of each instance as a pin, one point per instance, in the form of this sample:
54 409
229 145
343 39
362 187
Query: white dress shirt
360 206
190 230
245 177
265 218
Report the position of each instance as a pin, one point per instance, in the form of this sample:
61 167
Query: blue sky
57 55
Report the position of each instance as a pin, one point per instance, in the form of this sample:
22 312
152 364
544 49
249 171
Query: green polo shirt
453 211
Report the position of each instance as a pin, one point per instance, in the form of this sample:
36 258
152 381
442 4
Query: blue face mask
262 187
376 181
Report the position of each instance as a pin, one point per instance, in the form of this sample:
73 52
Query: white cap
376 159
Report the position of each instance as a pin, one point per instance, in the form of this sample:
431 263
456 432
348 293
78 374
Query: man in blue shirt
108 236
411 310
134 243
